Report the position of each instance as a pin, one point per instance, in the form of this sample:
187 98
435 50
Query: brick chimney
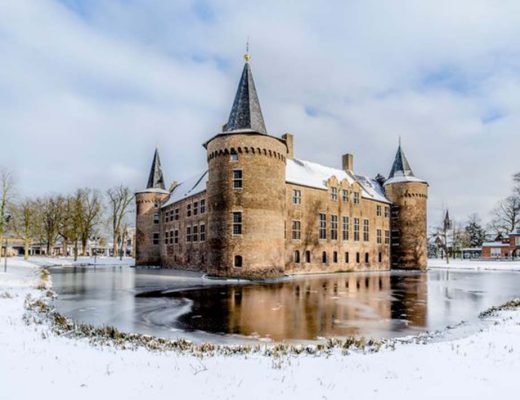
348 162
289 141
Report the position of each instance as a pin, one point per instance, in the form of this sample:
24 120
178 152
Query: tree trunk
114 245
26 249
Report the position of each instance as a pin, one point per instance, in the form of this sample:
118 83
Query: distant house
507 247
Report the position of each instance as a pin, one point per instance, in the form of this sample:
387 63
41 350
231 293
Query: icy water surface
173 303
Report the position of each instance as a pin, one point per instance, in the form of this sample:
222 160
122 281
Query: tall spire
401 167
246 113
156 179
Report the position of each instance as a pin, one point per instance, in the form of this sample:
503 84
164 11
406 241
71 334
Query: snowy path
35 364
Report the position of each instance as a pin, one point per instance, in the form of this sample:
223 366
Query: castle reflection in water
311 307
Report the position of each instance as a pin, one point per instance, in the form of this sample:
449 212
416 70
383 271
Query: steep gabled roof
246 113
156 179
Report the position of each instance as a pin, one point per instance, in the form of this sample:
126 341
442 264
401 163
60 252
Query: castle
257 211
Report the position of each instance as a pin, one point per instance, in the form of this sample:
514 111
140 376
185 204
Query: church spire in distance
246 113
156 179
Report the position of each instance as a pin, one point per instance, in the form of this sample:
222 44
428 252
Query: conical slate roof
401 167
246 113
156 179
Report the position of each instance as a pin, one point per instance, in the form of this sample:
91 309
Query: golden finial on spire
247 56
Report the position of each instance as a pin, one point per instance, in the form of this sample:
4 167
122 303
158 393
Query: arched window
233 155
324 257
297 256
238 261
307 256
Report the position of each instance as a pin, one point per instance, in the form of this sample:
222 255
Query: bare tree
88 214
506 215
119 202
50 208
7 185
26 223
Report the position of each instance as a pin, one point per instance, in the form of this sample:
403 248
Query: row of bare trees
506 214
72 219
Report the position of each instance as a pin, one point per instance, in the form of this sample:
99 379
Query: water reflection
173 303
307 308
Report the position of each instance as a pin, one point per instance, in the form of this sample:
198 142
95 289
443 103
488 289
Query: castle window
202 231
346 257
356 230
365 230
237 179
155 238
195 208
344 195
380 257
335 257
166 237
202 206
188 208
379 236
296 230
357 258
176 236
234 155
334 227
307 256
171 237
177 212
366 258
237 223
297 197
238 261
356 197
334 194
297 256
387 212
323 227
324 257
346 228
378 211
156 218
387 237
195 234
188 233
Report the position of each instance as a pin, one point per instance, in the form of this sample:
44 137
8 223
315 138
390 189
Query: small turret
409 195
148 217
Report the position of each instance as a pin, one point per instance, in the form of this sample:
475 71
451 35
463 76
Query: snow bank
475 265
34 363
67 261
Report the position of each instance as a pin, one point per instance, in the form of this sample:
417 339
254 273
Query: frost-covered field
34 363
475 265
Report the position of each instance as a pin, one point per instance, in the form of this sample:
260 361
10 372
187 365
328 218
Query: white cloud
87 91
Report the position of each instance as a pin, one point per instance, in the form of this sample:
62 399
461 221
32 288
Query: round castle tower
408 217
246 191
148 206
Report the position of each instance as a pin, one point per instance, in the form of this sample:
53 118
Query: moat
181 304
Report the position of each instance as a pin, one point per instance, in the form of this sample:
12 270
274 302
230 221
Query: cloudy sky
89 87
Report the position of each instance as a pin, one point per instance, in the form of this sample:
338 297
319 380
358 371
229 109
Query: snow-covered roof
314 175
190 187
153 190
398 178
494 244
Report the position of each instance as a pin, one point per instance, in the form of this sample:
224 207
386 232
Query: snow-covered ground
65 261
475 264
34 363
